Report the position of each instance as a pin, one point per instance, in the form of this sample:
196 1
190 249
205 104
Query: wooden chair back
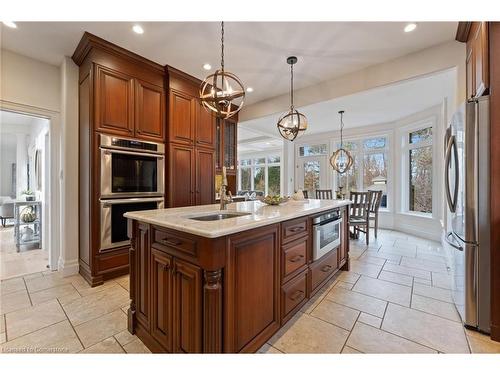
306 194
375 200
359 206
324 194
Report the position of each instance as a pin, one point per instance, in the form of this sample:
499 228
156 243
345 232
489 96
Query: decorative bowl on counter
273 200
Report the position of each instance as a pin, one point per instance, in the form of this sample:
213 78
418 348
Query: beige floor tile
418 280
433 306
124 337
437 258
3 337
46 282
370 320
319 296
32 275
369 339
94 305
107 346
396 278
58 338
12 285
407 271
357 301
423 264
441 280
481 343
83 287
268 349
68 298
349 350
384 290
22 322
96 330
383 255
438 333
402 243
14 301
52 293
2 323
124 281
367 258
136 347
306 334
364 268
343 284
348 276
431 292
340 315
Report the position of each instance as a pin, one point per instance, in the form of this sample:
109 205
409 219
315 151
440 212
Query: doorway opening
24 194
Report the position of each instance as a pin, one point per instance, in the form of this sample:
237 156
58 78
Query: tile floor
14 264
394 300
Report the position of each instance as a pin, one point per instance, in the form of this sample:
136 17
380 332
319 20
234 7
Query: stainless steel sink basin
219 216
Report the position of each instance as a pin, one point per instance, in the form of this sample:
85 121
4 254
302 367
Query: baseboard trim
68 268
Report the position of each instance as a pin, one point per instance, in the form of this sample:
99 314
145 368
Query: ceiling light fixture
222 92
293 123
410 27
207 66
10 24
138 29
341 160
249 89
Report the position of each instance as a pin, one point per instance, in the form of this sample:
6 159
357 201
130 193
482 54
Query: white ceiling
377 106
255 51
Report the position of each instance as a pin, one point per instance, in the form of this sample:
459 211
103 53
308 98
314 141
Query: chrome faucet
224 199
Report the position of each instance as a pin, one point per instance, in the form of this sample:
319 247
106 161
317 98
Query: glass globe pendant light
341 160
222 92
293 123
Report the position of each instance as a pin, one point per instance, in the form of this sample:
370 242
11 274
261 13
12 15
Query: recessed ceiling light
207 66
138 29
10 24
410 27
249 89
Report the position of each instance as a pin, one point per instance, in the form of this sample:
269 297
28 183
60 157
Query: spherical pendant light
222 92
293 123
341 160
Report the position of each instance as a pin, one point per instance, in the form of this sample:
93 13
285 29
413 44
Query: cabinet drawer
293 229
293 294
294 257
323 268
173 240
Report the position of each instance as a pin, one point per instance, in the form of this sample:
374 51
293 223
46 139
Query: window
260 174
369 170
420 170
312 150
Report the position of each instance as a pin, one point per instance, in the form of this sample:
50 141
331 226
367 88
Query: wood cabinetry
123 94
227 294
475 34
192 135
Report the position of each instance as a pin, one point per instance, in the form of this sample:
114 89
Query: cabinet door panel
161 288
182 118
205 176
142 275
182 176
205 128
150 111
114 102
187 308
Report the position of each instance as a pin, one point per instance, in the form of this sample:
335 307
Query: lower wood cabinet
293 296
322 269
161 280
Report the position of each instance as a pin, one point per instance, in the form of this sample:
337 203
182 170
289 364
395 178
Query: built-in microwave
327 233
114 224
131 167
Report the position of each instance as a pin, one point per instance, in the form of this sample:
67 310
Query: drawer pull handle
326 268
296 258
169 242
298 294
296 229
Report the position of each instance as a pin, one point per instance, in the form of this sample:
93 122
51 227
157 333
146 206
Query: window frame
265 165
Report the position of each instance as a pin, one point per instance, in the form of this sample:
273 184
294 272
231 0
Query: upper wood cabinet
205 127
182 114
182 172
475 34
205 175
150 111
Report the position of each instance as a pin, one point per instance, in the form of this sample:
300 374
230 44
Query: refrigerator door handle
451 243
452 146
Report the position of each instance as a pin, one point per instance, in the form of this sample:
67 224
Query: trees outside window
261 174
419 148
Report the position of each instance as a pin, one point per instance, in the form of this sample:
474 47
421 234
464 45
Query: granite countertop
260 215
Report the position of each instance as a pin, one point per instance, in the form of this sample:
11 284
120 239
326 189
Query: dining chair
324 194
306 194
373 207
359 213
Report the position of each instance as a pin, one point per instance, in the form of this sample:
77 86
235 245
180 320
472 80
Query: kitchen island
209 281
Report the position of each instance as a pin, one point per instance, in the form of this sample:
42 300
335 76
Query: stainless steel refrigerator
467 192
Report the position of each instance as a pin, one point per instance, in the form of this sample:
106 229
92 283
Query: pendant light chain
291 87
341 129
222 46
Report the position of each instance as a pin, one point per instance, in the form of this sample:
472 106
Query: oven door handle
110 202
108 151
333 221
